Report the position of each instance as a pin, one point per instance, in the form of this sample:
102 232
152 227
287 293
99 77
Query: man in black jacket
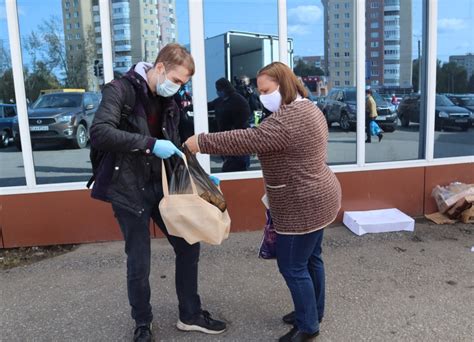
129 177
232 111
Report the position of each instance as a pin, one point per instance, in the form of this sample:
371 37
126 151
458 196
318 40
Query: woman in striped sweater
303 193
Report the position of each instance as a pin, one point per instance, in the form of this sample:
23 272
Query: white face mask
167 88
271 101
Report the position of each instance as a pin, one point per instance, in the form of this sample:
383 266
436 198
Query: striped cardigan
304 194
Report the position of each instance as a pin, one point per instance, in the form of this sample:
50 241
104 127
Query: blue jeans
300 262
135 230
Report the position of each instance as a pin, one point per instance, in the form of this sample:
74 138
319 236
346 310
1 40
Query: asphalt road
57 164
383 287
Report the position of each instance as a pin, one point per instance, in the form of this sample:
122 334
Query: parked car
447 114
340 106
465 101
62 116
7 120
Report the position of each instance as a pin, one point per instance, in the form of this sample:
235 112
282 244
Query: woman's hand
192 144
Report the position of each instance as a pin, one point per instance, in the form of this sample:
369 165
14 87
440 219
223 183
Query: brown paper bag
191 217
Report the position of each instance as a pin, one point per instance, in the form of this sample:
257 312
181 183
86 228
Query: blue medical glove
215 180
165 149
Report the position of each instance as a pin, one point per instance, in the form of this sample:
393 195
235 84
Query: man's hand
192 144
165 149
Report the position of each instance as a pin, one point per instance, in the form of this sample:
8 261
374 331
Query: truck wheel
4 139
80 140
344 122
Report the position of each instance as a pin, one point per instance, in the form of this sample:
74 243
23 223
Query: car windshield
378 98
58 101
442 100
350 96
467 101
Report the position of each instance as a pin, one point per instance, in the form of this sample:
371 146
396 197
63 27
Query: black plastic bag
180 182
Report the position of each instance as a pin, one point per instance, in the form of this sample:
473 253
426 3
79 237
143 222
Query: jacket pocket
281 186
277 198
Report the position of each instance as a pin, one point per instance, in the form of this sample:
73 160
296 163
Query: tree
5 62
451 78
7 88
304 69
40 79
47 46
470 85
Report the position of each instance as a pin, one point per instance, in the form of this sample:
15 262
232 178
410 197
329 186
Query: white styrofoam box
378 221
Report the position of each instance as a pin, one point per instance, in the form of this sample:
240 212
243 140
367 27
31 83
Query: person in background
186 124
304 194
394 100
247 90
231 112
370 114
129 177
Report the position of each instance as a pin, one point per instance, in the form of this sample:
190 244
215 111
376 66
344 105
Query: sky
305 21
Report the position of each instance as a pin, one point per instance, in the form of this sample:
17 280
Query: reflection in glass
324 34
63 75
11 161
64 72
239 42
393 43
454 111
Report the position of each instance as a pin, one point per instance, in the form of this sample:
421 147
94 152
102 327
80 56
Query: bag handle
164 179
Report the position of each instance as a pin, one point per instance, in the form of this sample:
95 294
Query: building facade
388 42
79 38
340 42
38 208
139 29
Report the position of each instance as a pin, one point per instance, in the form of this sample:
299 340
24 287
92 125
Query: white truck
235 54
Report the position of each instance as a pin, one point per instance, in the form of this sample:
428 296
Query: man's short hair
173 55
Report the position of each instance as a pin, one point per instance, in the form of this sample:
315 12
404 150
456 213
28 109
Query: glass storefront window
454 109
393 50
12 171
62 81
239 42
324 34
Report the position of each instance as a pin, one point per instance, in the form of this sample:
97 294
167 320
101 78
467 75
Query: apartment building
388 42
139 29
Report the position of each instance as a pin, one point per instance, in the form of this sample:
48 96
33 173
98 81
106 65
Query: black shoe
294 335
203 322
143 334
290 318
368 141
380 137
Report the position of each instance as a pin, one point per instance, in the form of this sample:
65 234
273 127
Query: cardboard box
378 221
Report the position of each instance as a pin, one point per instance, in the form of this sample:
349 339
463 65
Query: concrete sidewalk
385 287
